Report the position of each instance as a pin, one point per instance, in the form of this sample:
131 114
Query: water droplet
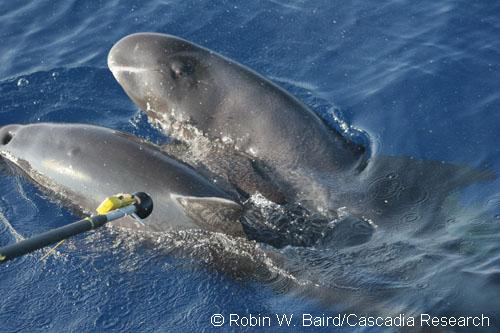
22 82
392 175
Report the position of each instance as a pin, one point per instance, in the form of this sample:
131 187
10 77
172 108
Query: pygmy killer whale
83 164
190 90
263 139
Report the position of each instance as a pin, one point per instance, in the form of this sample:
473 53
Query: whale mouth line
127 69
131 69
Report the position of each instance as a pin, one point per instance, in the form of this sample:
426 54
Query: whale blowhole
6 138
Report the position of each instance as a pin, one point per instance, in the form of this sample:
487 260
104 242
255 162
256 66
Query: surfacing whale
191 90
263 139
83 164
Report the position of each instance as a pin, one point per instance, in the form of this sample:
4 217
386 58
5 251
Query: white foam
18 237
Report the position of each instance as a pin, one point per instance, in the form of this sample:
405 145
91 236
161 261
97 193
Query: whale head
8 139
167 76
7 134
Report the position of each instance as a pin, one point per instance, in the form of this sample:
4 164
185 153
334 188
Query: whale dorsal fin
213 213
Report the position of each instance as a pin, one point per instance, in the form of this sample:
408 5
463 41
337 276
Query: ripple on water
413 195
411 217
385 187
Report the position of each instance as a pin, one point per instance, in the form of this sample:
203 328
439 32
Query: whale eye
6 138
180 69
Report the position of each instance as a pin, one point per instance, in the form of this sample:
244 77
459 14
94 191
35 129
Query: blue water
418 78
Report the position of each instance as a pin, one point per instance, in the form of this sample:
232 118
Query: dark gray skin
263 139
84 164
185 86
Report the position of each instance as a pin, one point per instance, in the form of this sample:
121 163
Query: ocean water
419 79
